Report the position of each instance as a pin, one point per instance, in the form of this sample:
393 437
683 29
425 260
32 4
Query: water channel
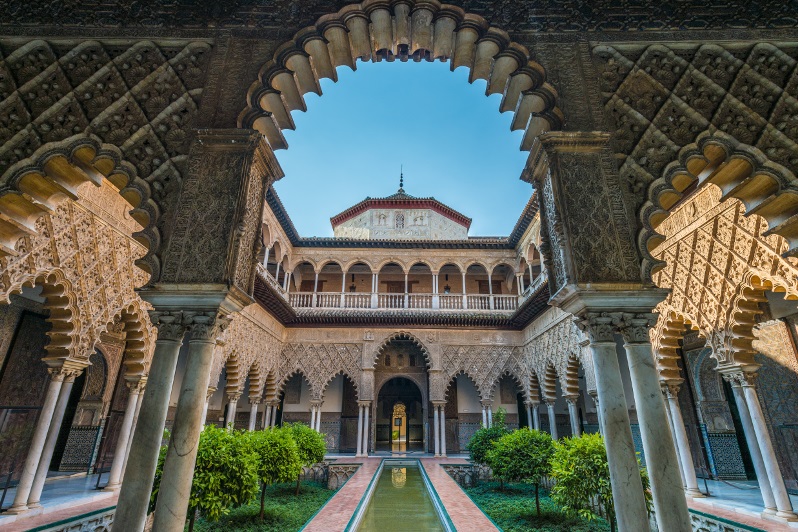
401 501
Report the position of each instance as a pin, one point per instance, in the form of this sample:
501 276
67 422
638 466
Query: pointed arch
402 336
548 385
452 380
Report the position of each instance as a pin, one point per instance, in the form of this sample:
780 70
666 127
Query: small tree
310 446
277 456
582 474
225 474
522 455
482 440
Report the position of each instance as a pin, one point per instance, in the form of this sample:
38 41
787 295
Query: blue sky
450 138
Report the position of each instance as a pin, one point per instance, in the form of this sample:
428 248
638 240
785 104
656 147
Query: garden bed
285 512
513 510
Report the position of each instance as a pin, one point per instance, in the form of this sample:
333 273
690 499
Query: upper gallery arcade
148 264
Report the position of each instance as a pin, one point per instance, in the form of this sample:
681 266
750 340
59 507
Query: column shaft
552 421
624 472
783 504
366 430
529 416
115 477
484 417
49 444
436 426
573 415
359 450
253 416
536 417
232 407
267 418
134 496
670 504
490 415
683 445
178 470
37 444
132 430
443 430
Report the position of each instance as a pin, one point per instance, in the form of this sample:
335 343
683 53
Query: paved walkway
739 501
338 510
465 514
61 498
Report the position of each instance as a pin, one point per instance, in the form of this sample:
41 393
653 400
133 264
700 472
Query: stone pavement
465 514
340 508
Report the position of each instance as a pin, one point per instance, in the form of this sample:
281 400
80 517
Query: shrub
277 458
310 446
482 440
225 474
579 466
522 455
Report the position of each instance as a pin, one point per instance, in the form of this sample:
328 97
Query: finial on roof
401 179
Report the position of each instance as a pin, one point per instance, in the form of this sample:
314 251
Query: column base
112 487
787 516
16 510
694 494
34 506
769 511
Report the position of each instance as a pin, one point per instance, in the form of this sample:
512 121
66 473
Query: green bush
225 474
277 458
522 455
310 444
482 440
579 467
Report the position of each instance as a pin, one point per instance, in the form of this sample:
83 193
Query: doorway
400 417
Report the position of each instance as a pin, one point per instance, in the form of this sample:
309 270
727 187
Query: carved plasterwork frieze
88 276
320 363
718 262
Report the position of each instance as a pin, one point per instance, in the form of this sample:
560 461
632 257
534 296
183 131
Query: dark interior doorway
400 434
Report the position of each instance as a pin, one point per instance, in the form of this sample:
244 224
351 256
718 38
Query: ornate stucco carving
719 262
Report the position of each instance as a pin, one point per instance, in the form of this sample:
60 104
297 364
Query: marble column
52 437
529 415
232 408
780 495
552 420
20 505
670 504
317 420
211 391
359 450
627 487
484 417
443 431
594 395
267 416
253 414
753 446
536 416
142 387
573 415
366 429
115 477
436 427
178 469
134 496
671 391
490 415
313 416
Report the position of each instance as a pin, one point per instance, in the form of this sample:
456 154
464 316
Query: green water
400 503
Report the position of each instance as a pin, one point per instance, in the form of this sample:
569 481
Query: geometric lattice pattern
661 98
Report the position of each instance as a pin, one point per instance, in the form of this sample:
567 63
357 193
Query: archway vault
378 30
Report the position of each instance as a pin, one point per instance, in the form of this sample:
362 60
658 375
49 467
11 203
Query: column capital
254 400
635 327
67 371
598 326
740 377
136 386
571 399
171 325
438 403
233 397
365 404
207 326
670 389
316 402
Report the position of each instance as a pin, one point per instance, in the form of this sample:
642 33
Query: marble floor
742 496
58 494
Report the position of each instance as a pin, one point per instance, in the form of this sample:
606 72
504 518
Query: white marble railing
266 276
384 301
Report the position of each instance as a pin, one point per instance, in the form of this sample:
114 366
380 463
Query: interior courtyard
152 278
